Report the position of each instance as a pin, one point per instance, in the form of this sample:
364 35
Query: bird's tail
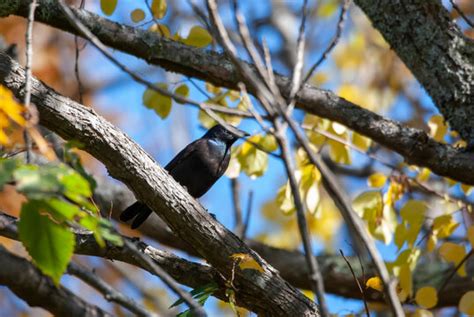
139 211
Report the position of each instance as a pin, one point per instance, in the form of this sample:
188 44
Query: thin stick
80 87
361 289
146 261
247 216
315 276
453 272
101 47
109 293
238 226
333 43
462 14
29 58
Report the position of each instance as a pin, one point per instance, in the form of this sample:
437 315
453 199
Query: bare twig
462 14
101 47
315 277
146 261
80 87
105 289
362 290
247 215
453 272
29 58
238 226
332 44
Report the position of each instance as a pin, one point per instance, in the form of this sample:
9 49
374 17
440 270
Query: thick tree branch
436 51
263 292
413 144
28 283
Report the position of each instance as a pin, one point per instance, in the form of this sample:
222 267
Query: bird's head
229 136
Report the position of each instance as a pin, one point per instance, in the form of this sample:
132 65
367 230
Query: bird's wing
183 155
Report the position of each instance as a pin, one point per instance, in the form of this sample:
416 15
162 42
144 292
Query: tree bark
262 292
28 283
414 145
433 47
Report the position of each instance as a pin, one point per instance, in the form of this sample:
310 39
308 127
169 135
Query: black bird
197 167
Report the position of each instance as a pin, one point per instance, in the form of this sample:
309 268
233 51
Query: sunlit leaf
108 6
198 37
161 29
437 127
405 278
158 102
246 261
454 253
137 15
426 297
466 304
51 245
182 90
375 283
158 8
444 226
377 180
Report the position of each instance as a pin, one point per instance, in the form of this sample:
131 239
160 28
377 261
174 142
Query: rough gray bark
262 292
414 145
433 47
28 283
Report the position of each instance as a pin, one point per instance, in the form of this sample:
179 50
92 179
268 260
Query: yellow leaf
108 6
213 89
182 90
268 143
377 180
454 253
161 29
422 313
424 175
158 102
247 262
413 212
426 297
285 200
375 283
198 37
444 226
437 127
466 304
319 78
137 15
467 189
431 243
361 141
470 235
405 278
327 9
339 152
400 235
368 205
158 8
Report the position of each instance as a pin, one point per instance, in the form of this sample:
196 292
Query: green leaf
38 183
50 244
108 6
198 37
7 167
200 294
158 102
107 232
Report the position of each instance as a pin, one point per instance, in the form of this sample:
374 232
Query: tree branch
435 50
28 283
263 292
413 144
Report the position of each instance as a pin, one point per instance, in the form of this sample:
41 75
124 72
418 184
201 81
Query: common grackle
197 167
